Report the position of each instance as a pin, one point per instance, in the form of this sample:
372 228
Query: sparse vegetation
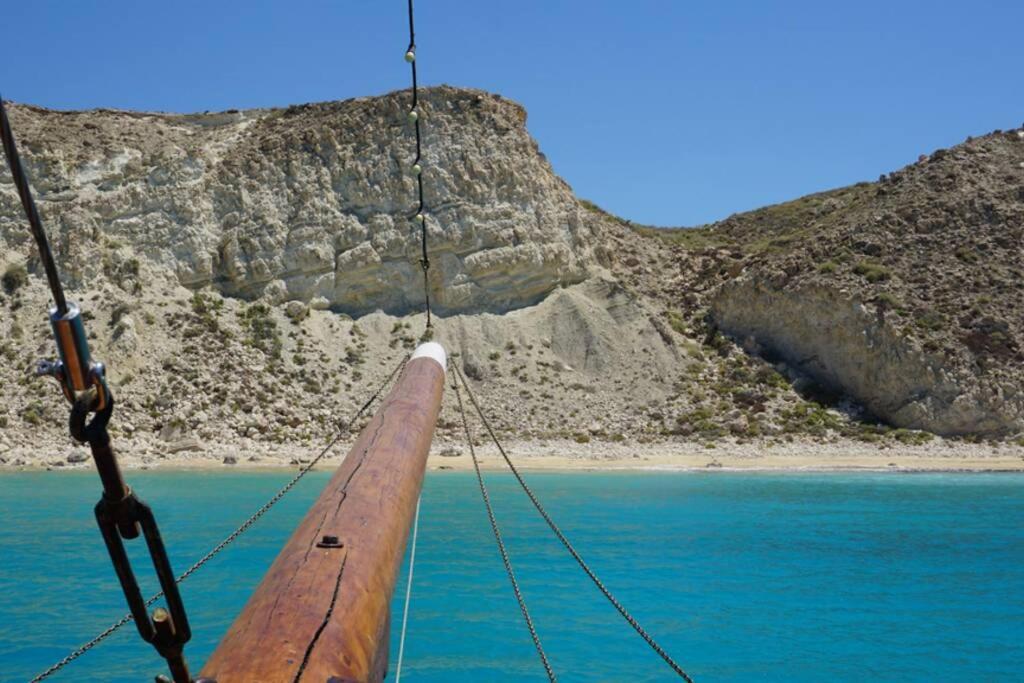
872 271
911 437
889 300
932 261
262 330
14 278
677 322
930 320
33 413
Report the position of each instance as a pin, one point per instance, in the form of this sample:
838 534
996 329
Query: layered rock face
206 250
311 203
850 349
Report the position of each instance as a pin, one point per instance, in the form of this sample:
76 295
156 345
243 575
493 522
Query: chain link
343 430
565 541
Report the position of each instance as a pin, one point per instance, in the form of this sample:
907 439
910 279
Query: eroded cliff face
310 203
856 350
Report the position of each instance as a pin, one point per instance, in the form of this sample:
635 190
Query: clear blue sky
673 112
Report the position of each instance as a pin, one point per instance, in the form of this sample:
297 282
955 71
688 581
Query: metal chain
417 166
497 534
565 541
343 429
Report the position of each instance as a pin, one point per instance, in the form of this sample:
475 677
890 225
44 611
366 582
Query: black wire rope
38 232
565 541
417 167
497 537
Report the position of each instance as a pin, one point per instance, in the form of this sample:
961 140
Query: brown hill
905 294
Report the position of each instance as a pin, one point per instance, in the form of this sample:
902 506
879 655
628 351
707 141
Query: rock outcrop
311 202
854 352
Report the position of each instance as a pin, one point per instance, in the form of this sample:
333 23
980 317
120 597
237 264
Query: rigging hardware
120 514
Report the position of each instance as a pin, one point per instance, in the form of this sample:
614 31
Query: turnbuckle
120 513
167 629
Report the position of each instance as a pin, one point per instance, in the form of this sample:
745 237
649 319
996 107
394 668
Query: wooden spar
322 613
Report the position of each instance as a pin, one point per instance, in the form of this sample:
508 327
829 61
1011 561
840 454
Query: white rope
408 591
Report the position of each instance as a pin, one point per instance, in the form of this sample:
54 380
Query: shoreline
563 456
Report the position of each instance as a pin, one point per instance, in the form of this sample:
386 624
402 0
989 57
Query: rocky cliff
250 276
313 202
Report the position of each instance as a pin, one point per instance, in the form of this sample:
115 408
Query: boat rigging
322 610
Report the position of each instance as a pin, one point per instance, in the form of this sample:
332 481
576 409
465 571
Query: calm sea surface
743 577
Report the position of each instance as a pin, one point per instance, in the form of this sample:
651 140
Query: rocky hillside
904 296
250 276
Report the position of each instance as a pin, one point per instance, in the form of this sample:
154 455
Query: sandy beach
551 455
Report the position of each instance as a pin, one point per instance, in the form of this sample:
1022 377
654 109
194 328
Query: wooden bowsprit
322 612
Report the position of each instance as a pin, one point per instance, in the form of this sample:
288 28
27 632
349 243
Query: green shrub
677 322
828 267
889 301
872 272
262 330
911 437
33 413
966 255
14 278
930 320
811 418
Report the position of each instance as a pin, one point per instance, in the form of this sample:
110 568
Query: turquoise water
743 577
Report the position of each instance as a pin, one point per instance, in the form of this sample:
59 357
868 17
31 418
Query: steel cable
408 590
414 117
497 533
21 182
565 541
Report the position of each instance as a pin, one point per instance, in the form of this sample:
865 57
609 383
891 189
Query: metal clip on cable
75 371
